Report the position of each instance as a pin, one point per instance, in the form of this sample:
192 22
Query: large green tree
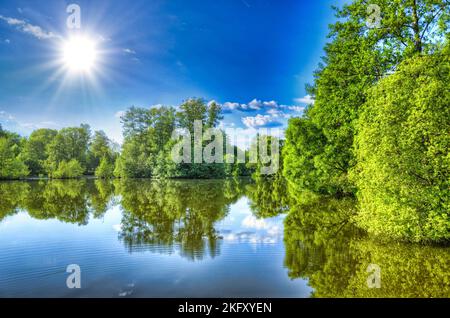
101 149
35 151
70 144
357 57
11 166
146 132
146 151
403 171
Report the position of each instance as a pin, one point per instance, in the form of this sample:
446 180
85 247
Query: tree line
379 127
73 152
68 153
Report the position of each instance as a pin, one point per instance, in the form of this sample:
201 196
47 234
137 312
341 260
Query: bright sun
79 54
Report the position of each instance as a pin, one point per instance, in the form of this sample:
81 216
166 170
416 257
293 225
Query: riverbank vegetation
146 151
379 127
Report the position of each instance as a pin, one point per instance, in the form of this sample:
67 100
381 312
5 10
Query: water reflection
193 219
71 201
164 213
323 246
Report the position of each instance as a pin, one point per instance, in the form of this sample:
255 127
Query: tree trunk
416 28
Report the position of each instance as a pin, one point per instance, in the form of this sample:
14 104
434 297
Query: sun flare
79 54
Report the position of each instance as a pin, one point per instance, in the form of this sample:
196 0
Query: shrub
68 170
105 169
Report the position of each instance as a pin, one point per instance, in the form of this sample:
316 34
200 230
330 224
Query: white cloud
264 114
7 41
6 116
129 51
272 103
255 104
230 106
101 38
12 21
260 121
28 28
117 227
276 113
308 99
298 109
39 125
252 222
212 102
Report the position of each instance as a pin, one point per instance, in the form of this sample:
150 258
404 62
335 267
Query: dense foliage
324 247
11 165
379 125
68 153
146 151
319 147
403 171
148 145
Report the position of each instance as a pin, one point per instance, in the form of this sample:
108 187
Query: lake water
212 238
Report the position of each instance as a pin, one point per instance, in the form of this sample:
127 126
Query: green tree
403 146
11 166
105 169
357 57
65 200
69 144
305 142
68 170
192 110
147 132
268 196
324 247
12 195
100 147
214 114
137 158
146 151
35 150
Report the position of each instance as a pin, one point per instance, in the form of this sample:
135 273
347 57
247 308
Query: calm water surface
215 238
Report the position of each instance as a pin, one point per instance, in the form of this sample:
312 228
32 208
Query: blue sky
252 56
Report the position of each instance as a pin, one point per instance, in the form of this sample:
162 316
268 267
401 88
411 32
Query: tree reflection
268 196
101 196
70 201
157 215
173 214
12 195
324 247
322 244
62 200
